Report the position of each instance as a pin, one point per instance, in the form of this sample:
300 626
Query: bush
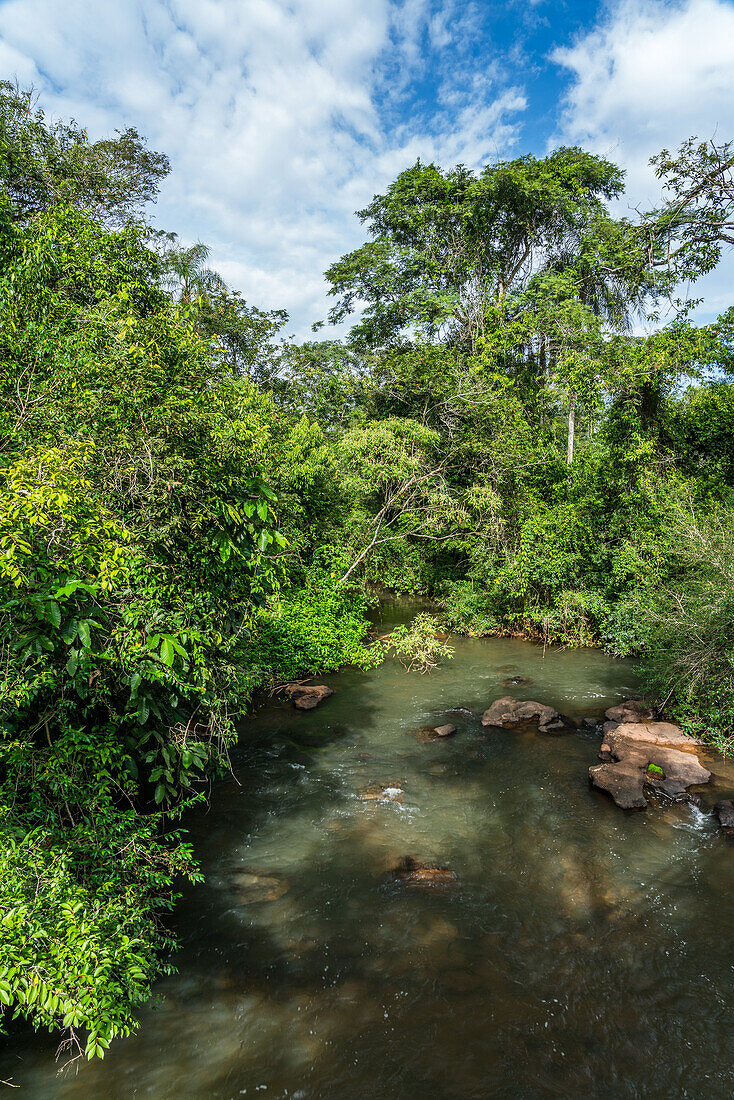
417 646
690 649
318 626
468 609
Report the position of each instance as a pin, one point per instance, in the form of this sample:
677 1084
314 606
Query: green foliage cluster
140 540
689 655
317 625
420 645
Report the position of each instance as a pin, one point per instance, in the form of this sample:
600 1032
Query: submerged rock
382 792
426 734
416 872
517 681
511 712
725 813
307 696
253 886
633 765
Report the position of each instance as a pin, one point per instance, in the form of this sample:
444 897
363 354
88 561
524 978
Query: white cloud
648 77
278 116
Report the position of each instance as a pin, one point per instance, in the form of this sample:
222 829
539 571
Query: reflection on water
584 952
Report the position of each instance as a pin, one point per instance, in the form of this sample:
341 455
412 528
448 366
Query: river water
583 952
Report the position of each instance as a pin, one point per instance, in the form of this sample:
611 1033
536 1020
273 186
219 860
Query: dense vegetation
193 508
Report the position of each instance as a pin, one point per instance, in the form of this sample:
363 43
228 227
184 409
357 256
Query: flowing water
583 952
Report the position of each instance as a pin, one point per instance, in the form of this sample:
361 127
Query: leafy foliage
317 627
418 645
690 647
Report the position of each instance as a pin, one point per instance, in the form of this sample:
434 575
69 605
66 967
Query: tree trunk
571 428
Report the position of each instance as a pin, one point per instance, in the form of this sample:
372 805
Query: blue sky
283 117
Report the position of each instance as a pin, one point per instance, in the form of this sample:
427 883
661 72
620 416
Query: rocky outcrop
307 696
640 759
725 813
415 872
514 712
650 733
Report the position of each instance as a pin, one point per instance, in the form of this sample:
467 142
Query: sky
281 118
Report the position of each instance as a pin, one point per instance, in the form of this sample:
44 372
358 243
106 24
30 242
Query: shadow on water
582 951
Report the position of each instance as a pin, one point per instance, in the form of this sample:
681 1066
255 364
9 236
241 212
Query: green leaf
69 630
53 614
84 633
167 653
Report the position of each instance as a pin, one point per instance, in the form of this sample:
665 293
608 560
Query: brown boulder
633 710
652 733
512 712
633 764
416 872
307 696
725 813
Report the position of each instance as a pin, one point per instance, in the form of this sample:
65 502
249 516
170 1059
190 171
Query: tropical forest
504 457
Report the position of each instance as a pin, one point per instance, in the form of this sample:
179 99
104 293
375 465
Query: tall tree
42 162
449 248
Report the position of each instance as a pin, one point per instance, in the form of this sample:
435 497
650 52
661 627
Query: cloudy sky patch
283 118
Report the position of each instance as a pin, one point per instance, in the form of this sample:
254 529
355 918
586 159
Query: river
583 951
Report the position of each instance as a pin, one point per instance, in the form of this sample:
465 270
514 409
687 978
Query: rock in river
513 712
382 792
425 734
725 813
633 764
307 696
254 886
650 733
632 710
416 872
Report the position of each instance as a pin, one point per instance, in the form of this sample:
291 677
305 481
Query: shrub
417 646
317 626
690 649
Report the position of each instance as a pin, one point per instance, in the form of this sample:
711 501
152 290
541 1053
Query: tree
42 162
186 276
398 483
243 332
684 237
449 248
136 540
